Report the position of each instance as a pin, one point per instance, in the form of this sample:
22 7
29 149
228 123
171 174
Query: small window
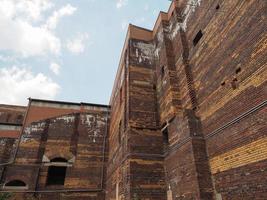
223 83
234 83
56 174
165 134
162 71
197 38
121 99
15 183
59 159
218 7
125 57
238 70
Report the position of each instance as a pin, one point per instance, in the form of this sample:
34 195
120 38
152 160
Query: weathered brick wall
201 86
12 114
210 95
168 92
142 98
135 168
229 72
80 138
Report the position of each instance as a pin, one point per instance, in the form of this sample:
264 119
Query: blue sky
66 50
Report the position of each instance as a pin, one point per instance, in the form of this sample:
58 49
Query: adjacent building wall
79 137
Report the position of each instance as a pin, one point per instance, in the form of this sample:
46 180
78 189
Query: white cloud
19 32
121 3
77 44
23 38
55 68
64 11
28 10
32 9
17 84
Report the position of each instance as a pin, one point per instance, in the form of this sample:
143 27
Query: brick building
187 117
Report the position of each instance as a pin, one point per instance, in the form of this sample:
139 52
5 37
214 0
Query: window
121 98
15 185
125 57
57 174
238 70
217 7
165 135
59 159
197 37
162 71
234 83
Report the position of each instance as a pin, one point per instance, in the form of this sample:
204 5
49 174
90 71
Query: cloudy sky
66 49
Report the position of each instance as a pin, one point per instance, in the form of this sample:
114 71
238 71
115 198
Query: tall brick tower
180 116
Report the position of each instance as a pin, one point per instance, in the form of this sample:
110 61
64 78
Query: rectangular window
165 134
121 98
56 175
197 37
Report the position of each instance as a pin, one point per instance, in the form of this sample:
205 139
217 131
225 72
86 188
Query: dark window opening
58 159
223 83
15 183
121 95
238 70
162 71
125 56
56 175
197 37
218 7
234 83
165 134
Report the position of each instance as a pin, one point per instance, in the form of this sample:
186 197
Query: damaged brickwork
186 121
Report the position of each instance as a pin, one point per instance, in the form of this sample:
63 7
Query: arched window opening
56 174
16 183
59 159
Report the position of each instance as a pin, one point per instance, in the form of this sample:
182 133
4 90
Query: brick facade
187 116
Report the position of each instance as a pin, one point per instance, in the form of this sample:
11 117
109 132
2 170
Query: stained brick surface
210 96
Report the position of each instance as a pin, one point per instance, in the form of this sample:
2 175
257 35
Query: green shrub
5 196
